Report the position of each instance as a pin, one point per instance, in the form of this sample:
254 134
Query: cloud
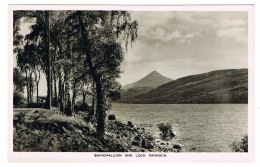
233 33
187 37
232 23
152 18
162 35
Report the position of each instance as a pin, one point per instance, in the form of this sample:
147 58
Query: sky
182 43
178 44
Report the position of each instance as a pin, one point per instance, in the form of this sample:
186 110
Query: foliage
82 107
18 88
166 130
149 137
240 146
18 100
18 80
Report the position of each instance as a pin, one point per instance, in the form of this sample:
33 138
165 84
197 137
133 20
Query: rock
162 144
193 149
172 134
147 144
177 146
137 141
15 120
36 111
138 138
129 123
112 117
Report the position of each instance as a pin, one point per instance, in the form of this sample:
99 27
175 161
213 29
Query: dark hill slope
222 86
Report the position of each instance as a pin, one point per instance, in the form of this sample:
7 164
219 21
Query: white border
171 157
4 70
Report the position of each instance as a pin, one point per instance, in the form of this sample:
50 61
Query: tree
99 34
18 87
40 35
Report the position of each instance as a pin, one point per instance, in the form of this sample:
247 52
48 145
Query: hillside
222 86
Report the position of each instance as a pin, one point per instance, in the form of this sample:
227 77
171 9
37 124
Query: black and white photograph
111 81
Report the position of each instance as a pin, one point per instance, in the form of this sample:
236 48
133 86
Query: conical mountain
151 81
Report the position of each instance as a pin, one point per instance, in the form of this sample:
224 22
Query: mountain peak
152 80
154 72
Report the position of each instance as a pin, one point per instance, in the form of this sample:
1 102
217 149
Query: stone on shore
112 117
147 144
177 146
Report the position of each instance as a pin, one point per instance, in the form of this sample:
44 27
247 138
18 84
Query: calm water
199 127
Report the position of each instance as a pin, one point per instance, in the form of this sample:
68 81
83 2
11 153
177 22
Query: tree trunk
84 100
37 80
100 110
48 56
61 92
55 90
31 88
27 88
68 110
73 99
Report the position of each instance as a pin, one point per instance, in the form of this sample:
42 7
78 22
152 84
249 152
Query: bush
166 130
35 105
81 107
149 137
19 100
240 146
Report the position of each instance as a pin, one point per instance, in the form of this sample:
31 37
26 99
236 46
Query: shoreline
50 131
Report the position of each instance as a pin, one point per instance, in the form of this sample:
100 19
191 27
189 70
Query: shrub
35 105
149 137
240 146
166 129
18 99
81 107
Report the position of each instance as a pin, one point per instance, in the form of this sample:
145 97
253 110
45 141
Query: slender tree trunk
37 80
55 89
27 88
48 56
73 99
31 88
84 100
68 111
61 92
100 110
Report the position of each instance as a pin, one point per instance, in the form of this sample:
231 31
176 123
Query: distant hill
222 86
152 80
147 83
